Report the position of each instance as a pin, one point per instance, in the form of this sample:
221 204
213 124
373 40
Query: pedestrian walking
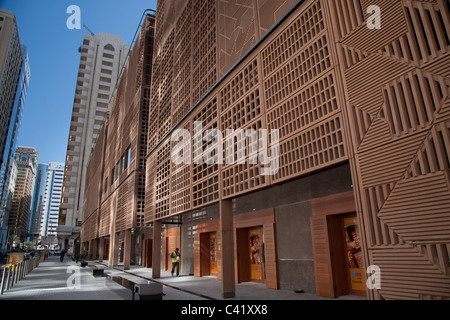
61 255
176 261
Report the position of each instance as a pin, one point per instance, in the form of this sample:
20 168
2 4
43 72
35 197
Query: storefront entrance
250 247
337 246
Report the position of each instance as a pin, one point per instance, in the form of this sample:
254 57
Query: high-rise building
27 163
52 199
14 79
37 207
102 57
7 203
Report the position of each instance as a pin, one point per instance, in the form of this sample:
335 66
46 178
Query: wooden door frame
326 213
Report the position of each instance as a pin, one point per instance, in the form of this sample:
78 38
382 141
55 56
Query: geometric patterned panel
414 214
397 84
407 273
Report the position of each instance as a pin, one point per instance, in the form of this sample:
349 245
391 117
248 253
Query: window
107 63
106 71
109 47
105 187
112 174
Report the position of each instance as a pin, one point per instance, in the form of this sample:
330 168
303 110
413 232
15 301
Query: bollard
10 276
21 265
2 287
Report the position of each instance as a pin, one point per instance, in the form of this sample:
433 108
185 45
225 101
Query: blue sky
54 59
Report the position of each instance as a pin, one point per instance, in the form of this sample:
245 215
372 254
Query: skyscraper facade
27 163
52 199
102 57
14 79
34 229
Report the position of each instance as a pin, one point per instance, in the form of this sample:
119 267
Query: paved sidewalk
210 287
53 280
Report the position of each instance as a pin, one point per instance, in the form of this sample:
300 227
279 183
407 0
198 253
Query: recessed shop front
337 247
250 254
255 248
208 254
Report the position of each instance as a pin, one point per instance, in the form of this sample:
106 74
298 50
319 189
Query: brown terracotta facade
363 118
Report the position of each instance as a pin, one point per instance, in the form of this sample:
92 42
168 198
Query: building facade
115 188
52 199
7 204
14 80
27 162
334 177
37 207
102 57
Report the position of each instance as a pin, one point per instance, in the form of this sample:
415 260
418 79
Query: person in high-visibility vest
176 261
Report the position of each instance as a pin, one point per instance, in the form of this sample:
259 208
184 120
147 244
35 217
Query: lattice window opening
206 83
239 85
429 28
244 111
180 201
241 178
297 35
203 68
140 222
434 154
244 145
162 208
308 106
206 191
312 149
306 66
413 100
181 178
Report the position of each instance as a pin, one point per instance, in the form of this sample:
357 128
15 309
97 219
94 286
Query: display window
213 253
354 254
256 254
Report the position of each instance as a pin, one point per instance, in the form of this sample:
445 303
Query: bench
97 272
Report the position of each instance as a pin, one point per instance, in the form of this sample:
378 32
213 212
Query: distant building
52 199
102 57
14 79
37 207
7 203
27 163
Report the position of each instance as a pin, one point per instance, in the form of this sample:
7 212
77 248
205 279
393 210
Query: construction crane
90 31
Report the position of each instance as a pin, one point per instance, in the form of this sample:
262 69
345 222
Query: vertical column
227 249
127 250
114 250
156 252
101 249
94 249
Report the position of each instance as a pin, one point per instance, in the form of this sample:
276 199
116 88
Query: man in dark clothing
61 255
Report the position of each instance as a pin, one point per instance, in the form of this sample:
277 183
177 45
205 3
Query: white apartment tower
102 58
52 198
